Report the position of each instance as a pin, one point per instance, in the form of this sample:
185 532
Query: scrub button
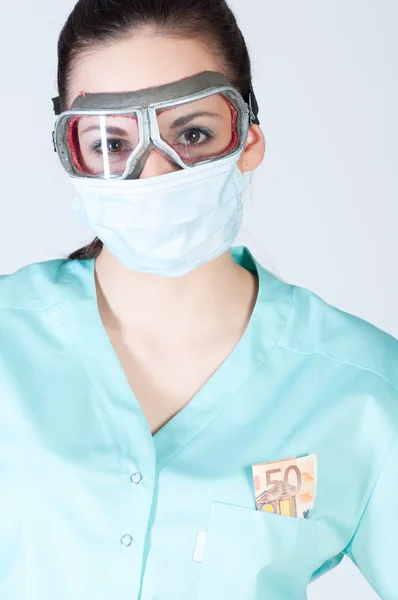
126 540
136 478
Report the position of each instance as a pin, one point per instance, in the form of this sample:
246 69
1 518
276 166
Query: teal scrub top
93 506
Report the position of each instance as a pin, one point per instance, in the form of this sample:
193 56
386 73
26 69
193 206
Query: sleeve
374 546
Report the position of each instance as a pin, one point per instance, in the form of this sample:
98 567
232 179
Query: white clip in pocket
200 546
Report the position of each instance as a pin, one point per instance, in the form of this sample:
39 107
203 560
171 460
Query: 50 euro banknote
286 487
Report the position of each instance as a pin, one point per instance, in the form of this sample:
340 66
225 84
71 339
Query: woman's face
142 61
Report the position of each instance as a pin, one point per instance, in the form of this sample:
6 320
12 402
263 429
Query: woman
175 421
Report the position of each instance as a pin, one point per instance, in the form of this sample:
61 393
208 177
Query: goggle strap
254 107
56 105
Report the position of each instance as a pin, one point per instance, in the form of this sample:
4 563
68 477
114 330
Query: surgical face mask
166 225
171 224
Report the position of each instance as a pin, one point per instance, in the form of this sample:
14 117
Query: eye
194 136
114 146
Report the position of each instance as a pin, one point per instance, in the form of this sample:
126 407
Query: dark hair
95 23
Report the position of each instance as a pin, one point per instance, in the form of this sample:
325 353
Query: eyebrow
187 118
177 123
111 129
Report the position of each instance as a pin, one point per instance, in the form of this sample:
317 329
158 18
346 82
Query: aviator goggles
194 121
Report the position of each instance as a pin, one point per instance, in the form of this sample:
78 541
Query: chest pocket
253 555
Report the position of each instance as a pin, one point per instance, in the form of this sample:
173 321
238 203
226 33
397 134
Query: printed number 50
284 487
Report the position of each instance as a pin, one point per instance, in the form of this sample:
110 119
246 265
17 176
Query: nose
157 164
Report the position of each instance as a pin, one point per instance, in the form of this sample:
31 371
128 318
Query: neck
201 302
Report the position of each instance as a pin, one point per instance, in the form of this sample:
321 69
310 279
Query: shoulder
32 287
315 327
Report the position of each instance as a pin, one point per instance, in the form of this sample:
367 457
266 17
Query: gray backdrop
322 210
